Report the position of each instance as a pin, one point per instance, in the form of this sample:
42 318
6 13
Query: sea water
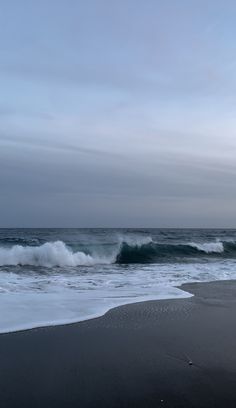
57 276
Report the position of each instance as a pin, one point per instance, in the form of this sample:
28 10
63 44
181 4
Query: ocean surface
57 276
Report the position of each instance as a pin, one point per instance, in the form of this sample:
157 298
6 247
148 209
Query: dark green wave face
155 252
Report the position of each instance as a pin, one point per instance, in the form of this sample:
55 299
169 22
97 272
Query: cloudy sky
118 113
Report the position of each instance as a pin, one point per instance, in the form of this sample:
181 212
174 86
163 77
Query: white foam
28 311
209 247
49 254
31 299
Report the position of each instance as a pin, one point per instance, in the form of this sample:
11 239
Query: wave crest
49 254
209 247
126 251
162 252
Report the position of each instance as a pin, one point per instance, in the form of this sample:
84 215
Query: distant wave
19 241
128 250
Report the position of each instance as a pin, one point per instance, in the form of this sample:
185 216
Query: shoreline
98 315
95 316
135 355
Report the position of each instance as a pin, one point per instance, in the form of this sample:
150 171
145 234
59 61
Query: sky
117 113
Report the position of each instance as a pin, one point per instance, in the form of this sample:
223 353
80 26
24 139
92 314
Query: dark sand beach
172 353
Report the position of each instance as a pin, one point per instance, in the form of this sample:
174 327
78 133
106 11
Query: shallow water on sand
53 276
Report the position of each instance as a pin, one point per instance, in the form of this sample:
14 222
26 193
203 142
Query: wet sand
172 353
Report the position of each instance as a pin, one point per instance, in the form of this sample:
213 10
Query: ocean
58 276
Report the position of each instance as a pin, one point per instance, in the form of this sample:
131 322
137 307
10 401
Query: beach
167 353
118 204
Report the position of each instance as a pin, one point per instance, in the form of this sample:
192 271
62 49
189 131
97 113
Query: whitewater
58 276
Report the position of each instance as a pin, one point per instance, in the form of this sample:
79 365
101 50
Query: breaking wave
126 251
156 252
49 254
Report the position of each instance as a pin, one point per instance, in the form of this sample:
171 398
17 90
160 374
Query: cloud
117 114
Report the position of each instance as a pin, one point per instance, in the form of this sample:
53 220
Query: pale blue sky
118 113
